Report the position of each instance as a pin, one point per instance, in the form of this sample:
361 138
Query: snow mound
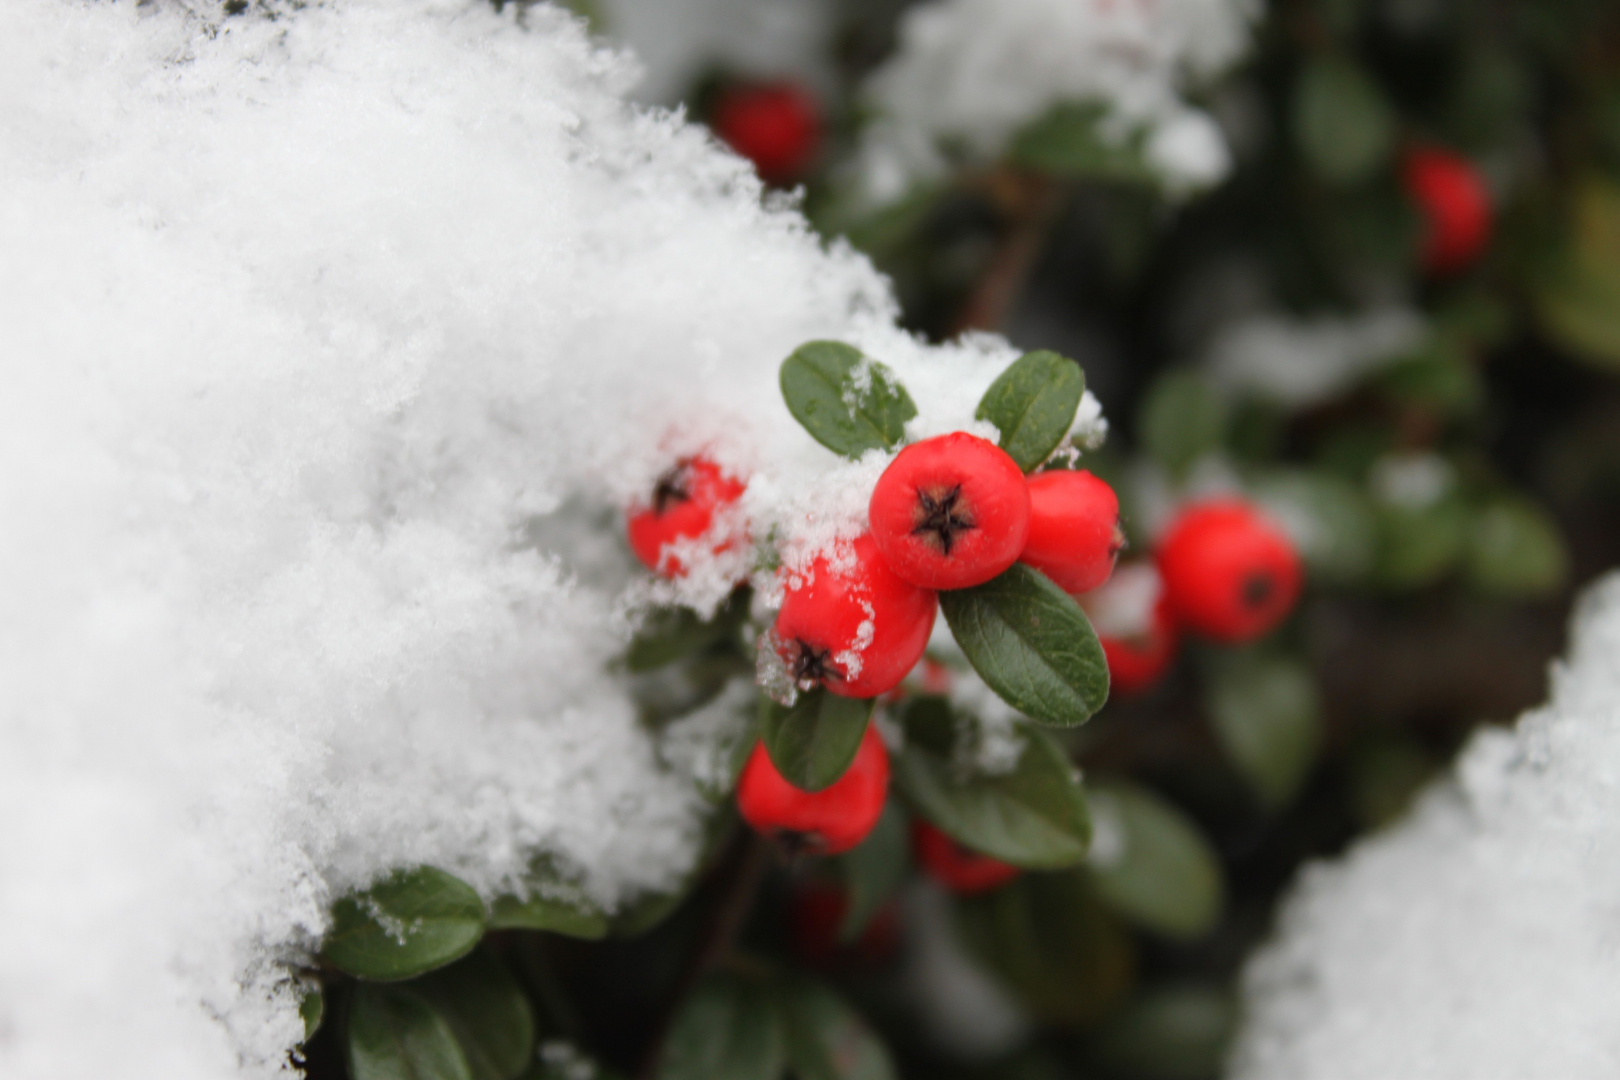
1478 939
334 338
970 73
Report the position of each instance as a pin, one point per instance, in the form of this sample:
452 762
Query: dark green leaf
726 1029
1032 644
874 870
1069 141
1343 125
1151 863
312 1010
1578 295
1182 419
394 1034
1267 717
1418 545
1386 770
826 1039
1170 1033
673 634
1046 935
1328 517
813 741
1515 549
411 922
1033 404
573 918
486 1010
1034 816
848 402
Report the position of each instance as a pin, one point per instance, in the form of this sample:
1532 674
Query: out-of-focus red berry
1131 614
816 912
684 506
853 627
950 512
1229 573
1074 530
1456 207
958 868
824 822
776 125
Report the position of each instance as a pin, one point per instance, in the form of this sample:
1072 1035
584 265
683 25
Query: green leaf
1578 294
1515 549
411 922
312 1010
848 402
1068 140
1170 1033
1182 419
726 1030
1267 716
571 918
486 1010
1385 772
1151 863
1342 123
1033 816
826 1039
1033 404
1032 644
1050 940
1328 517
1418 545
672 634
874 870
394 1034
813 741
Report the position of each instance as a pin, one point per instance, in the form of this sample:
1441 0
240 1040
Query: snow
334 338
1298 362
1477 938
969 74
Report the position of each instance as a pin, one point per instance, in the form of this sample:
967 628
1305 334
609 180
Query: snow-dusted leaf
577 919
813 741
394 1034
672 634
409 923
1032 644
1267 716
1033 404
312 1010
848 402
825 1038
727 1029
1151 863
487 1012
1069 141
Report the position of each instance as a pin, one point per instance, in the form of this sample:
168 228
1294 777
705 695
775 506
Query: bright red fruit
958 868
1131 614
776 125
1456 208
823 822
1074 530
683 507
1229 573
950 512
816 913
853 627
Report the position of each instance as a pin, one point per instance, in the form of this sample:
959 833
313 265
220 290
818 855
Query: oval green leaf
726 1030
1034 816
848 402
1343 125
1182 418
1515 549
410 923
486 1011
1032 644
1150 862
1267 717
571 918
826 1039
394 1034
1033 404
813 741
1177 1032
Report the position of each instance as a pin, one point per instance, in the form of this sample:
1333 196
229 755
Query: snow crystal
1300 362
334 341
969 74
1476 939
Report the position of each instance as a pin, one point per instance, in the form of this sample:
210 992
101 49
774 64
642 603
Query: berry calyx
823 822
1074 531
776 125
958 868
1229 573
950 512
852 625
1456 207
683 506
1131 614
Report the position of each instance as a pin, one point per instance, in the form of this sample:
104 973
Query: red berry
1456 208
950 512
958 868
823 822
776 125
1074 530
816 913
1131 614
683 507
1229 573
853 626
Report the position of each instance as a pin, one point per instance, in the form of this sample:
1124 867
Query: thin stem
1034 202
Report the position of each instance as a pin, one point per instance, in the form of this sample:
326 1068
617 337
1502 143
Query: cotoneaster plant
1075 535
824 822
